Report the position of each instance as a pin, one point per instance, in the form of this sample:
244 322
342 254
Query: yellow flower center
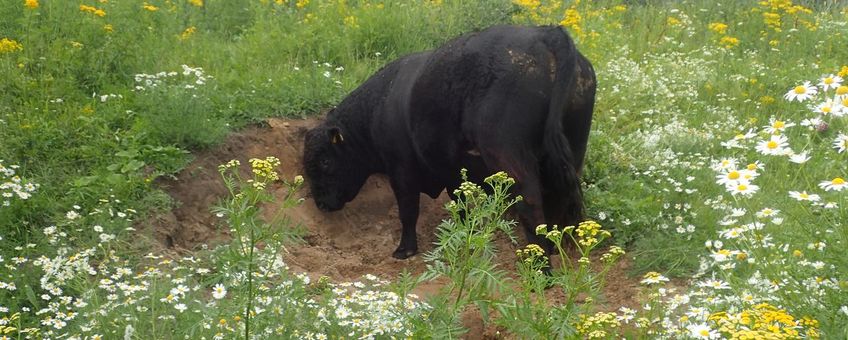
742 187
733 175
752 166
826 109
842 90
837 181
779 124
845 101
828 80
800 90
804 195
771 144
705 332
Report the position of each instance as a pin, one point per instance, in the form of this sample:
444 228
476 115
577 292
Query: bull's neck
357 112
357 135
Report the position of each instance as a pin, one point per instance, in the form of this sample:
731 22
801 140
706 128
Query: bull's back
486 86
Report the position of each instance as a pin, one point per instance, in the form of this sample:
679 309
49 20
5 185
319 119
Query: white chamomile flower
729 177
828 107
841 143
777 126
702 331
799 158
830 82
841 106
801 92
767 212
72 215
219 291
725 164
714 284
776 145
653 278
836 184
804 196
744 189
812 123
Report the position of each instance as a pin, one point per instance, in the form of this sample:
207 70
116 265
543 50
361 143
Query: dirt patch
343 245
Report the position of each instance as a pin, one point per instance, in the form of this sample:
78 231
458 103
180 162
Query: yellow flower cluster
589 233
672 21
728 41
775 10
469 189
718 27
764 321
573 20
188 32
535 11
196 3
350 21
530 251
597 326
725 41
843 72
231 164
8 321
150 7
528 4
499 177
767 100
8 46
265 168
612 254
93 10
31 4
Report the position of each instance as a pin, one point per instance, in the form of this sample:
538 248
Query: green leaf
30 294
127 153
131 166
84 181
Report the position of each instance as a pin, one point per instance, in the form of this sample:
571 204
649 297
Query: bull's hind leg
525 170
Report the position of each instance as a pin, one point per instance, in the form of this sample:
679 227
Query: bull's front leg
407 201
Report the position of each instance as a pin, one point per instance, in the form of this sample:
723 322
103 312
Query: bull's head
336 171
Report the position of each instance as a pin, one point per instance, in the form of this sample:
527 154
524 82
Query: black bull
517 99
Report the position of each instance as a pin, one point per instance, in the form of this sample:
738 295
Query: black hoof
403 253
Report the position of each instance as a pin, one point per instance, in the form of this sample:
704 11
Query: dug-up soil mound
343 245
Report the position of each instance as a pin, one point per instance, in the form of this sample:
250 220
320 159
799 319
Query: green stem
249 285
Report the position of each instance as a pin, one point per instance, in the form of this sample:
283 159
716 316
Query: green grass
670 91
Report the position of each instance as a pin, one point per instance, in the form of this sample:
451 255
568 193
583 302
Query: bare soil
343 245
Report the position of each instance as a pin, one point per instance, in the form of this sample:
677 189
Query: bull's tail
561 179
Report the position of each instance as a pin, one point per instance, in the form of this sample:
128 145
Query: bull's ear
335 135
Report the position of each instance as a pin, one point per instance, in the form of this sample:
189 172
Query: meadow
718 159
